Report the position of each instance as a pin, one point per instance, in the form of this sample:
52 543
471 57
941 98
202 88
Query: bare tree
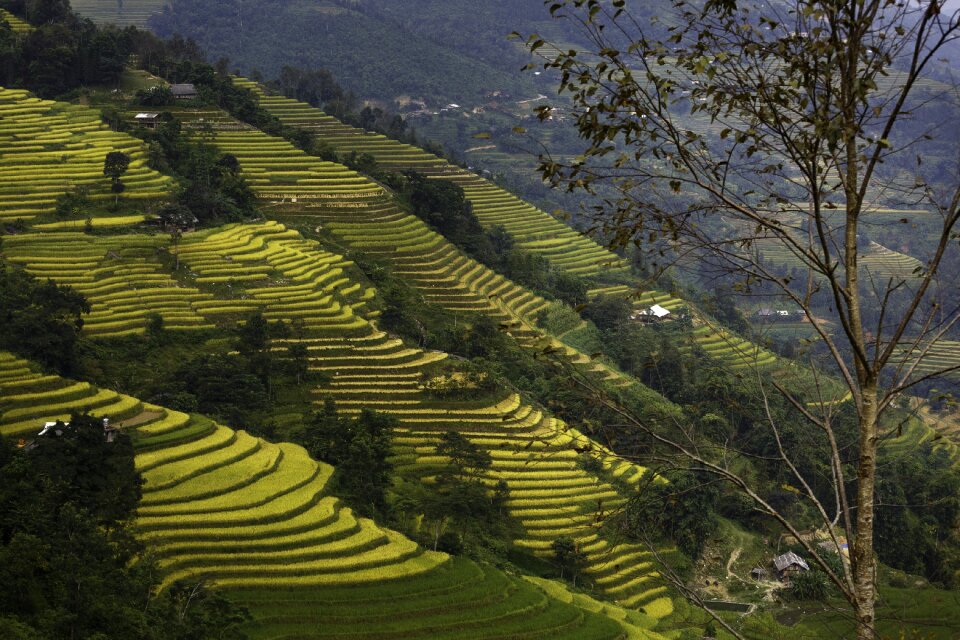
726 128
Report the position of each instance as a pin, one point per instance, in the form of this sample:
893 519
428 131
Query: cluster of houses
775 315
654 313
150 119
56 429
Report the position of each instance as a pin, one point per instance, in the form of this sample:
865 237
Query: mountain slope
256 519
532 229
366 368
234 270
368 55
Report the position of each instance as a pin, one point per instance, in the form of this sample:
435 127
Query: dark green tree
607 312
98 474
809 585
569 558
679 506
299 357
365 472
175 219
359 448
115 164
465 458
40 320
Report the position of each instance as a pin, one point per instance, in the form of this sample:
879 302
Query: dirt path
733 558
140 418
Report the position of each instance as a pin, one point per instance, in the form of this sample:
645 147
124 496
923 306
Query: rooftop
789 559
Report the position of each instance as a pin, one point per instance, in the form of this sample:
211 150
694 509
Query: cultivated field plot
643 300
48 148
226 274
304 190
247 513
943 355
126 12
458 600
29 398
120 276
730 350
550 494
273 269
257 519
534 230
16 25
878 261
358 211
914 434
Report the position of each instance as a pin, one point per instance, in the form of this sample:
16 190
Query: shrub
809 585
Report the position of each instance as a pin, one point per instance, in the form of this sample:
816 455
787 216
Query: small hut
789 564
759 573
184 91
147 120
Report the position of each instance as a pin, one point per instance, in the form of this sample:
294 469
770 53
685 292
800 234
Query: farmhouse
57 428
654 314
766 314
789 564
183 91
148 120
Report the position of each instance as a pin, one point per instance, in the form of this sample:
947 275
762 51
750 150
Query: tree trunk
862 557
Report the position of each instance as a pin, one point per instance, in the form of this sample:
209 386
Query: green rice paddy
48 148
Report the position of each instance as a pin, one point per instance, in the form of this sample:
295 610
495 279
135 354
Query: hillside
531 228
454 52
372 393
368 369
418 66
267 267
256 518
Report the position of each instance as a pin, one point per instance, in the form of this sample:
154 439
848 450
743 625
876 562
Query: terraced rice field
224 505
730 350
305 190
16 25
533 230
358 211
940 435
459 600
551 495
257 520
48 148
943 355
642 300
229 271
127 12
878 261
120 276
273 268
28 398
264 267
